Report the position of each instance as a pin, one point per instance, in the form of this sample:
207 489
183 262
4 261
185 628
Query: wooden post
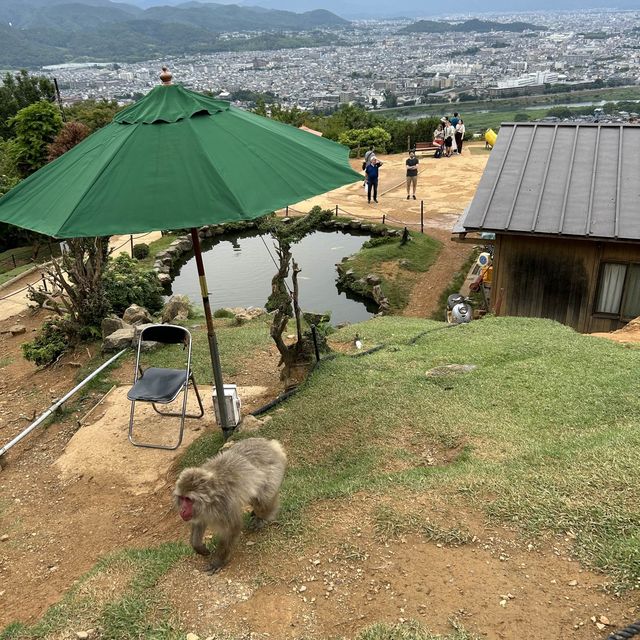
14 260
286 211
131 242
336 211
227 428
421 216
383 218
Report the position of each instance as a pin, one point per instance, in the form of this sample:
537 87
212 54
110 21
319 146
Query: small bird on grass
357 342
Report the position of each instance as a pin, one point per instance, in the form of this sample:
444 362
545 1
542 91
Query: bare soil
69 495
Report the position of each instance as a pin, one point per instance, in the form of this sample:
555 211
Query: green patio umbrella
177 159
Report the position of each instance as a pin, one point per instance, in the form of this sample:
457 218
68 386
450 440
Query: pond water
239 269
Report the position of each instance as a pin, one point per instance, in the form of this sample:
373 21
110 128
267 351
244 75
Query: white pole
59 403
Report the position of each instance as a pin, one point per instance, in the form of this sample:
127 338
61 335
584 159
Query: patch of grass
391 524
200 450
5 362
412 630
236 345
549 420
14 261
12 273
155 247
139 613
396 264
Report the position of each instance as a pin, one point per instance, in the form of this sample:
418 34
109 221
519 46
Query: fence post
383 217
286 211
421 216
44 284
336 211
14 260
131 241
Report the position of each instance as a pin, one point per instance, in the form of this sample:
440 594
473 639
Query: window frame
614 316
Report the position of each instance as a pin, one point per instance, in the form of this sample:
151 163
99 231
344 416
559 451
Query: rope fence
383 219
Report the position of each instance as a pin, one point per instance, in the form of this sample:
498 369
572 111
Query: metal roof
561 179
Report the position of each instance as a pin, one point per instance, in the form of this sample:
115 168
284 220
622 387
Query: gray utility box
233 404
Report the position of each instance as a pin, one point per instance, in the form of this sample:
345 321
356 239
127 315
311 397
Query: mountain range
39 32
366 9
475 25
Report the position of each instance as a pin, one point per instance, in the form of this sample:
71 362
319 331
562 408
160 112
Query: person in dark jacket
372 178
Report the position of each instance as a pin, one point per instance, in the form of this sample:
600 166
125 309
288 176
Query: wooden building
564 203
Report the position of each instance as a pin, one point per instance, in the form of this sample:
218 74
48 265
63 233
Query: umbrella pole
227 429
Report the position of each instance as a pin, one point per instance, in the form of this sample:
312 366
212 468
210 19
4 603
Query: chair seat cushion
158 385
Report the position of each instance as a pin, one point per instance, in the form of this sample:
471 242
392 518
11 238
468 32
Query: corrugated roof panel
558 174
574 219
477 209
605 185
532 181
629 209
574 179
507 181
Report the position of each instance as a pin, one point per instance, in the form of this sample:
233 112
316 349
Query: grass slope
545 433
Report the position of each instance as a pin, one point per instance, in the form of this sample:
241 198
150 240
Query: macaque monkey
215 494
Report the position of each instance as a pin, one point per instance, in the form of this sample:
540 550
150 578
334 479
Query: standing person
372 178
460 135
449 133
456 118
412 173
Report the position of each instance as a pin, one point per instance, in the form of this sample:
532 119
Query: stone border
369 286
165 261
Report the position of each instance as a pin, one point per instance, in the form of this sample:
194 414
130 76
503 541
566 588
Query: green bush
48 345
223 313
140 251
126 283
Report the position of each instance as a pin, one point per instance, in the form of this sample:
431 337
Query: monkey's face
190 493
186 508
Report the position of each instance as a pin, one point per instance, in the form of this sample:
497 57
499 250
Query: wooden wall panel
554 278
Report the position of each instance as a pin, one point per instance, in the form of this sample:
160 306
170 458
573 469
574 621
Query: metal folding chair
159 385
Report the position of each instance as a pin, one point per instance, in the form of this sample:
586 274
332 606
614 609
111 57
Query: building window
619 290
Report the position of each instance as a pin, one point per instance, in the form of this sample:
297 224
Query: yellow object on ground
490 137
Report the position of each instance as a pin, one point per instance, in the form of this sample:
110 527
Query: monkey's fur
215 494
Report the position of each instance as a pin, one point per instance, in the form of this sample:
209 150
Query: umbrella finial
166 76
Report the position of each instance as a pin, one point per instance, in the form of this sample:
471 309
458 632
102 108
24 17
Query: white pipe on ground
59 403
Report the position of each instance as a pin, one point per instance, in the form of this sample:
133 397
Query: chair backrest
166 334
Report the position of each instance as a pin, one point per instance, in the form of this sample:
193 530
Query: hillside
502 501
468 26
34 33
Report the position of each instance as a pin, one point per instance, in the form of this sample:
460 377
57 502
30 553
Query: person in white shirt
449 138
459 135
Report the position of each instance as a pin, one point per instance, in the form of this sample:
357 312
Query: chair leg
179 413
147 445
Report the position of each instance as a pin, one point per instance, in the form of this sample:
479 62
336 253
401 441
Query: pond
239 269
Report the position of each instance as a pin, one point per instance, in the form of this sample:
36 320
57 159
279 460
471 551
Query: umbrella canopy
176 159
172 160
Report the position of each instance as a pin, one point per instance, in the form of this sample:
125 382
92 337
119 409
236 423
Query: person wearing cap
372 178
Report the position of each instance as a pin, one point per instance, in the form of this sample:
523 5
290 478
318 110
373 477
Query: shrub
223 313
127 283
49 344
140 251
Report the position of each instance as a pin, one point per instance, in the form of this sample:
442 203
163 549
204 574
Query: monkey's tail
278 448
